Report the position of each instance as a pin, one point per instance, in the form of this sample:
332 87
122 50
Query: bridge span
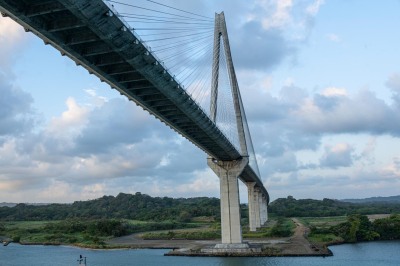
93 35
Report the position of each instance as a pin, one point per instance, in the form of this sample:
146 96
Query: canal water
365 254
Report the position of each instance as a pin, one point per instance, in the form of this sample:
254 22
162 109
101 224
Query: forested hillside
146 208
290 207
137 207
391 199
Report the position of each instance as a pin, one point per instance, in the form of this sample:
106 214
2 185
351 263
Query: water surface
362 254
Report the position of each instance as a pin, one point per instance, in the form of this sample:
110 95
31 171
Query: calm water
365 254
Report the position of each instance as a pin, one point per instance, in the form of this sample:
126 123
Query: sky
320 82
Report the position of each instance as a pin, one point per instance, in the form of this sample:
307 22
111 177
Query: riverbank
302 242
294 246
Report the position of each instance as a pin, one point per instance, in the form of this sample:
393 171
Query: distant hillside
126 206
146 208
391 199
290 207
10 204
7 204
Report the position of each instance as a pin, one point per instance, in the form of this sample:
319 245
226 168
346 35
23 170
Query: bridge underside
85 31
90 33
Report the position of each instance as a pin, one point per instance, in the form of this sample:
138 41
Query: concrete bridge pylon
229 171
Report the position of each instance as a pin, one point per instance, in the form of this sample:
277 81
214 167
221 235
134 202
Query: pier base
232 249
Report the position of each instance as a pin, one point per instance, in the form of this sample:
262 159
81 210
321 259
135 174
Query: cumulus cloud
281 15
333 37
16 113
105 146
336 156
363 112
71 120
314 7
393 82
12 38
267 48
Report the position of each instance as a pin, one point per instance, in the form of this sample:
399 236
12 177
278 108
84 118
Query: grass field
81 233
322 222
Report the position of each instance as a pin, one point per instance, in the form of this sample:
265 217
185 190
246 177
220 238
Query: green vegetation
91 233
91 223
290 207
197 235
356 228
124 206
145 208
278 227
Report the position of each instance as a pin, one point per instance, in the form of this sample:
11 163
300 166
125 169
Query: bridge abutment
228 173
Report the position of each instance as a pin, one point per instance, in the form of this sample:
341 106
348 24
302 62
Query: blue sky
320 82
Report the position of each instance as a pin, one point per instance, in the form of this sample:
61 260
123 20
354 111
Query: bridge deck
93 37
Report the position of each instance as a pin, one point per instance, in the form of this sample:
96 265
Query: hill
146 208
7 204
290 207
391 199
124 206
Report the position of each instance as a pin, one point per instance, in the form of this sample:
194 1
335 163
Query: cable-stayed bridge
175 64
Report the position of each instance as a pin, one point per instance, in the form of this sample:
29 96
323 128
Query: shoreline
176 251
295 246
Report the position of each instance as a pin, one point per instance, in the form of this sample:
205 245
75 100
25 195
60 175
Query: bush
282 228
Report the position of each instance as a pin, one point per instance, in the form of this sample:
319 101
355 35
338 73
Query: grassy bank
91 233
352 228
276 227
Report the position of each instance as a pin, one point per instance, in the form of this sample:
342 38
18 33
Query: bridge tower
229 171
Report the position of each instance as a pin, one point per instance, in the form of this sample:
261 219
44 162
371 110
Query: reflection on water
365 254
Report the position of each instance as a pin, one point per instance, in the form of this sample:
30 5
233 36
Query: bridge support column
252 205
257 205
264 211
228 173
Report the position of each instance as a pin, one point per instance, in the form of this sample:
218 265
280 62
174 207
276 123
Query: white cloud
333 37
71 121
281 15
12 37
339 155
100 145
313 8
204 180
333 91
393 82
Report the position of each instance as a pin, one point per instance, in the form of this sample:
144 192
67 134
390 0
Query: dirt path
298 242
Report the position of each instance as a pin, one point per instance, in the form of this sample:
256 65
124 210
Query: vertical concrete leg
252 210
257 205
260 199
228 173
264 211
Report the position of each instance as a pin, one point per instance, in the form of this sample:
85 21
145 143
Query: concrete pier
228 173
264 210
252 207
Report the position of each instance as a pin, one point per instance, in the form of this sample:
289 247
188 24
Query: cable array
183 41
